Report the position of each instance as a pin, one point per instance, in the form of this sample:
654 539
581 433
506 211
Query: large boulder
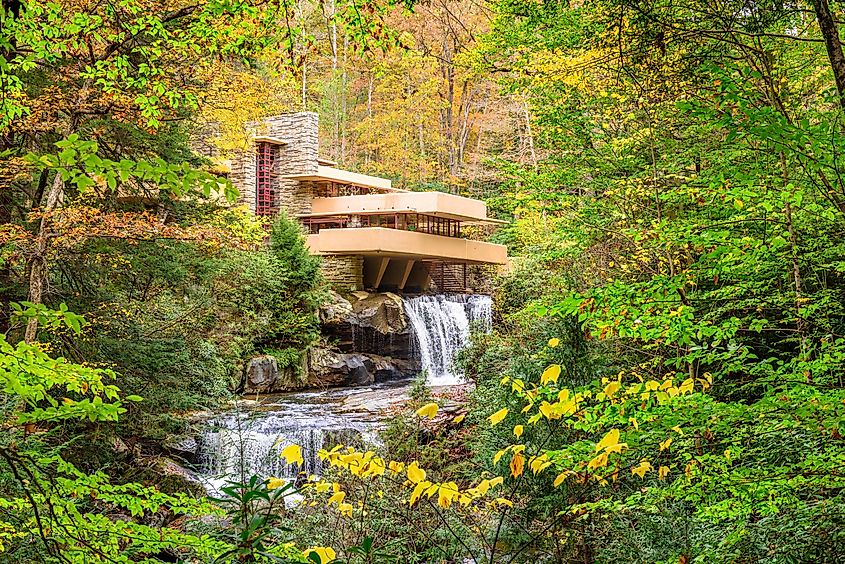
263 376
385 369
367 323
383 312
337 311
328 368
331 368
182 446
171 477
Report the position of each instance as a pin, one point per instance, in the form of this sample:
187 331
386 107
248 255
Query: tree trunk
830 33
38 263
6 202
800 322
529 133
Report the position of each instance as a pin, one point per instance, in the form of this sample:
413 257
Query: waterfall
441 324
239 444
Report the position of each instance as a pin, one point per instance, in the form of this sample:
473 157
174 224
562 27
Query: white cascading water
442 325
235 446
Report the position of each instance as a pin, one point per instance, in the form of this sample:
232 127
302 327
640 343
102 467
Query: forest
663 375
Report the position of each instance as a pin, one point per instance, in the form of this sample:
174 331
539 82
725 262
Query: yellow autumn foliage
428 410
497 417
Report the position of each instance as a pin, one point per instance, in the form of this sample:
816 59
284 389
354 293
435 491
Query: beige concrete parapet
437 204
382 241
340 176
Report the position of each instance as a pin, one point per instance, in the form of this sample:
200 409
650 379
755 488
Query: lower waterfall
441 325
238 444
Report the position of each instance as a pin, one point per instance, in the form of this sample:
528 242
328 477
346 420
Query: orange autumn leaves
75 225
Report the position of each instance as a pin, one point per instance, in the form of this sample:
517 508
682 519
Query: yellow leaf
554 342
345 509
428 410
415 473
560 478
293 455
640 470
459 418
611 389
633 422
540 463
326 554
616 448
498 456
274 483
550 374
497 417
665 444
518 430
418 491
662 472
376 467
446 493
336 497
610 439
503 501
517 465
497 481
599 461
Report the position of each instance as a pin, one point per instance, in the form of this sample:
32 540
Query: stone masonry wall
345 273
297 156
242 175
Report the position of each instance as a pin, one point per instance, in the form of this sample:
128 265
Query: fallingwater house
369 234
409 282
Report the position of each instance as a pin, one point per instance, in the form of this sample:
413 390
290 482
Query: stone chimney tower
282 145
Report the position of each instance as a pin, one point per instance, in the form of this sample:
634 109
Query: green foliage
178 320
77 163
254 510
48 501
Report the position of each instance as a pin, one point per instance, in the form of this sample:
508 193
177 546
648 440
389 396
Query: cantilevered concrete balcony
328 174
434 204
387 242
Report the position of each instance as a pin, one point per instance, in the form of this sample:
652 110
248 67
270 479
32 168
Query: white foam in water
237 445
442 325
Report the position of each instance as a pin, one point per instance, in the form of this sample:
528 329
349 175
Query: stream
247 439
